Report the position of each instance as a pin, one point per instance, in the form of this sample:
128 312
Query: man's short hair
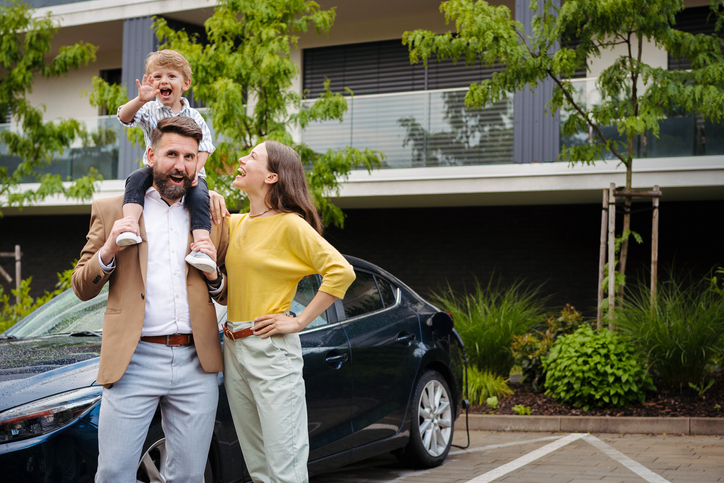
181 125
170 59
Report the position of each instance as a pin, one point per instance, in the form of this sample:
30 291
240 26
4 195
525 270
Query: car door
384 335
327 377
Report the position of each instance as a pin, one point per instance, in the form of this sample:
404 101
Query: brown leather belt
239 334
173 340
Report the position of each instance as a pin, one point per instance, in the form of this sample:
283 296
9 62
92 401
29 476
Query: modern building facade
463 195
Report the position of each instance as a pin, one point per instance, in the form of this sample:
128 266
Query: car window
362 296
306 290
65 314
388 292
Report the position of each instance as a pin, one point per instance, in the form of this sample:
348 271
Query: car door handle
405 338
336 359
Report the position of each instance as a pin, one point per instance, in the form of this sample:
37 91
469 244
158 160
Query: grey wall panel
138 40
536 134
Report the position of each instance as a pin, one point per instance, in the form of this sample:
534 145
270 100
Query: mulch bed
684 403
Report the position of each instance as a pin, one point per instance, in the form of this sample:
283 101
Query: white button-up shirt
167 231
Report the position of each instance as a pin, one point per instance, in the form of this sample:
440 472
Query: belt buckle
228 333
168 341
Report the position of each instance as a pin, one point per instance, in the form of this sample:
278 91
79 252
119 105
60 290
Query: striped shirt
151 112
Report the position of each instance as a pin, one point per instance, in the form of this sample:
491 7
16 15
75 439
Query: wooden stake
18 272
611 255
602 259
654 246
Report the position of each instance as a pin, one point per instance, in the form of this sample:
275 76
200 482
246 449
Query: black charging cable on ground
466 401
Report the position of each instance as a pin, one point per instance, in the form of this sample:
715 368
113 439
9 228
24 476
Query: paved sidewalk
558 458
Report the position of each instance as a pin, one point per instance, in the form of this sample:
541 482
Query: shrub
483 385
599 369
488 319
529 349
681 334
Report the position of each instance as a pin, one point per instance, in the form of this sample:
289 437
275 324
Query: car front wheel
432 424
152 466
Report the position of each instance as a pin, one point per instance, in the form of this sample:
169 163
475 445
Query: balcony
98 148
420 129
680 134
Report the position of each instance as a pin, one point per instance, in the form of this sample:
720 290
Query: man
160 336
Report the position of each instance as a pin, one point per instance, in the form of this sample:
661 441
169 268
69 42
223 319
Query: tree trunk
623 255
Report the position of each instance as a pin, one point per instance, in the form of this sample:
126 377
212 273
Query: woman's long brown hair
290 193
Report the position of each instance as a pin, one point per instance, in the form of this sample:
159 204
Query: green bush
529 349
488 319
12 312
681 334
598 369
483 385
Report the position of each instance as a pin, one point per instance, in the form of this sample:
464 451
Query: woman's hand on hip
273 324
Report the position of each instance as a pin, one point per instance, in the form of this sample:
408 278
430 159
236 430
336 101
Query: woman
271 249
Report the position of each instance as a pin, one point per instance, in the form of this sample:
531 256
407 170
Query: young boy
168 75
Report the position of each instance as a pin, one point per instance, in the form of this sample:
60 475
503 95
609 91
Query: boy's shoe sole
128 238
205 264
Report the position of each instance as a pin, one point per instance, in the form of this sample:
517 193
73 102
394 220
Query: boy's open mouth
165 92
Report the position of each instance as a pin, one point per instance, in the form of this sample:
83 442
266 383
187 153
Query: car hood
31 369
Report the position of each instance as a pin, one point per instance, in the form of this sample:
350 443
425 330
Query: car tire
432 423
152 466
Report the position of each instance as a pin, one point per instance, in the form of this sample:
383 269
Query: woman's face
253 173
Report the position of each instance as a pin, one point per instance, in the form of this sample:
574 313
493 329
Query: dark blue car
383 371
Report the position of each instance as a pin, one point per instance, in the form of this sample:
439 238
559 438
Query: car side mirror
441 323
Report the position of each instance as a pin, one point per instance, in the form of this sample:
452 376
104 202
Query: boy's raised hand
146 90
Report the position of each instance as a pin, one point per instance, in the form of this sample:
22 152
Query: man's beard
168 190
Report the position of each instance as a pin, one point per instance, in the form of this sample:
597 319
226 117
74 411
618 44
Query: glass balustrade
681 133
420 129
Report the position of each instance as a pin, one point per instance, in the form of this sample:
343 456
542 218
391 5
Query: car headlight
47 414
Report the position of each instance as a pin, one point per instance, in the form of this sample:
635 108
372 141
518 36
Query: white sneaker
127 238
201 261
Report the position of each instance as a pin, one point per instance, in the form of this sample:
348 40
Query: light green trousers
264 385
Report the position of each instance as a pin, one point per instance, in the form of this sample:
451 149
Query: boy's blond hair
168 58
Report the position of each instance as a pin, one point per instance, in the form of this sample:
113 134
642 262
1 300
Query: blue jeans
169 377
197 198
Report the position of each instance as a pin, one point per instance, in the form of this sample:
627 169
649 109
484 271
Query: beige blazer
126 306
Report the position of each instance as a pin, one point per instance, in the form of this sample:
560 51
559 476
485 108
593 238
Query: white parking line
634 466
645 473
503 445
524 460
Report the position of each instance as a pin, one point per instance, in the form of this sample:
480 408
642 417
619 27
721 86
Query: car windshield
65 314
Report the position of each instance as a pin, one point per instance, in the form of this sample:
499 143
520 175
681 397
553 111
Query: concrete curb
593 424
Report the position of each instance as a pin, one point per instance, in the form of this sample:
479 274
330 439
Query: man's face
174 165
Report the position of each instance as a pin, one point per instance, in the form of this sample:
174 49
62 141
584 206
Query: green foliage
597 369
492 402
11 311
245 75
522 410
488 318
483 385
681 334
717 281
530 349
703 387
25 54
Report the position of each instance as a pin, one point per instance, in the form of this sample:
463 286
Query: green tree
244 74
26 54
635 96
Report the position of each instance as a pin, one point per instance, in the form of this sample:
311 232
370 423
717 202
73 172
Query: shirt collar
153 194
184 105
